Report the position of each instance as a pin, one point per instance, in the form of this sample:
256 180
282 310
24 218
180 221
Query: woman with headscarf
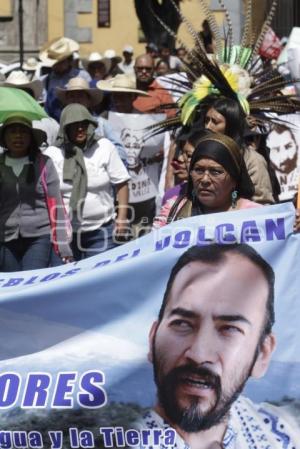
89 167
218 180
31 204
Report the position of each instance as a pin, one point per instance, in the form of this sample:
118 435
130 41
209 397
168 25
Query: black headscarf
225 151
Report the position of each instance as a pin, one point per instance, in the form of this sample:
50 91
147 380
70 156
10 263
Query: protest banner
74 338
142 166
285 156
293 42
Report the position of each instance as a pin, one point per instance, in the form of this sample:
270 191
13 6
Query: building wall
124 24
45 20
34 24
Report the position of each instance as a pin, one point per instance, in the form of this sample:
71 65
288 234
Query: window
103 13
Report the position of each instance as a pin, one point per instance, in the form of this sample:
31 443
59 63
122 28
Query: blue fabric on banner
96 314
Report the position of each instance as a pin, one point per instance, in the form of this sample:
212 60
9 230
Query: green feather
188 106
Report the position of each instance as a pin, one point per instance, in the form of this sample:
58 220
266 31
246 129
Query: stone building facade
79 19
35 28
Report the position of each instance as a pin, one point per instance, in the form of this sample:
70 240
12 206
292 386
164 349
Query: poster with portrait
284 143
141 150
74 338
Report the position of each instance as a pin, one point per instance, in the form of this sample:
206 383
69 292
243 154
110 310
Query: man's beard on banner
287 166
191 419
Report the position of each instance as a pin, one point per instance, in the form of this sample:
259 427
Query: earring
234 196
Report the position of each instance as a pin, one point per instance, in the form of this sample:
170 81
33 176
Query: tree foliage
153 31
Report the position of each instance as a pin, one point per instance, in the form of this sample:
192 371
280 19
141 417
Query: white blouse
104 169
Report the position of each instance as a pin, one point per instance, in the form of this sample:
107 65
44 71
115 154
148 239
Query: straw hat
20 80
38 135
120 83
79 84
96 57
111 54
31 64
58 50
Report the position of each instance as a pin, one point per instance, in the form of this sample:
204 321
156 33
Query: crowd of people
74 184
130 145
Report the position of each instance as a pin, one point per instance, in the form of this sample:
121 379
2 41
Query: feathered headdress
235 72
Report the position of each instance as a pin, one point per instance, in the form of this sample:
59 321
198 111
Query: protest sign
142 167
284 142
293 42
74 338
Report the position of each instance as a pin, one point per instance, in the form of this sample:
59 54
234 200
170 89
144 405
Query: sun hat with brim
120 83
20 80
79 84
38 135
31 64
95 57
57 50
111 54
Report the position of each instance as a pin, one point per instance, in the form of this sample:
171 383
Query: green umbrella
17 102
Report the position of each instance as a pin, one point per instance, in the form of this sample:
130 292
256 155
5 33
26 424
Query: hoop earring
234 196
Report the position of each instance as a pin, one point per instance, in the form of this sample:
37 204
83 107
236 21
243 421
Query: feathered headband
234 72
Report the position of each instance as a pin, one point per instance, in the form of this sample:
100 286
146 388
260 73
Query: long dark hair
264 151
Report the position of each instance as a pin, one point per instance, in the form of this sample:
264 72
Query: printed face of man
207 344
283 153
134 145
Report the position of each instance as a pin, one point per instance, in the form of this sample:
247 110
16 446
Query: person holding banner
144 156
30 196
218 181
203 352
88 168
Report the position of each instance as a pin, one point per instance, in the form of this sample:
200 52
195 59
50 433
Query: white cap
128 49
111 54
